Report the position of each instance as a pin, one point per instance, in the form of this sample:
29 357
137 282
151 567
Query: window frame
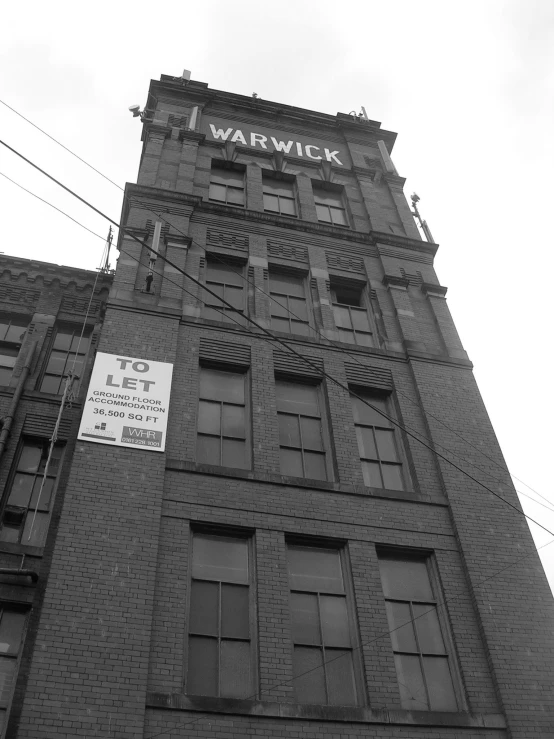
10 349
221 165
338 190
222 311
428 557
398 437
226 532
341 547
27 511
327 452
23 609
364 307
283 300
235 370
65 327
269 179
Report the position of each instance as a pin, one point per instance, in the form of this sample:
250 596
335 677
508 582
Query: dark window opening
329 205
68 354
351 316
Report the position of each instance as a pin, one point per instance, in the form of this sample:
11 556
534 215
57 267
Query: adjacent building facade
295 562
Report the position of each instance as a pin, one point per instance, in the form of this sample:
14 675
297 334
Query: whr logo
142 437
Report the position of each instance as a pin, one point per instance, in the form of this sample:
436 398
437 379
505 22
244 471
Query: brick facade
108 656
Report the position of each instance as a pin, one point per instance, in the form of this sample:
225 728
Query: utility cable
216 256
318 369
440 604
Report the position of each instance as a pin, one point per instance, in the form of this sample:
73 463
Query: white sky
467 86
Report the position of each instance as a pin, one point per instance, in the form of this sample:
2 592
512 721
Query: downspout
7 421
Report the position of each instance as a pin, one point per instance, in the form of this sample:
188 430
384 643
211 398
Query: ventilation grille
345 263
287 251
40 425
12 294
177 121
229 240
80 305
221 352
290 364
374 377
416 279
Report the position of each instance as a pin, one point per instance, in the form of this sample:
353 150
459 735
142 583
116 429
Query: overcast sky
468 87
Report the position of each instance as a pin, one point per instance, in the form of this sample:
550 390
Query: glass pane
228 176
235 669
235 615
392 476
15 333
305 620
323 213
280 324
34 533
286 284
288 206
2 720
309 678
360 320
410 681
219 271
226 386
7 358
297 398
366 442
334 621
300 328
279 306
439 684
338 216
80 343
56 363
10 534
50 384
347 336
217 192
234 296
234 421
364 340
372 475
234 454
311 433
202 666
318 570
220 558
45 495
235 196
11 631
405 579
271 202
298 308
365 415
401 627
208 449
63 340
314 466
7 671
340 677
291 463
20 493
342 317
5 375
328 197
204 608
386 445
212 314
209 417
428 629
289 432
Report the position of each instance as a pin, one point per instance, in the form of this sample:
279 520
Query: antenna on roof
106 266
424 227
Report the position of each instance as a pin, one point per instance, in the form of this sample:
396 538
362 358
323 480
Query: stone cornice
394 281
186 135
15 267
404 242
438 291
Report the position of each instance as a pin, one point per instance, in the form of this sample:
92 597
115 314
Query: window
329 206
279 195
351 317
68 353
300 431
27 511
12 331
226 280
422 662
220 642
288 304
227 183
379 454
12 626
323 664
222 419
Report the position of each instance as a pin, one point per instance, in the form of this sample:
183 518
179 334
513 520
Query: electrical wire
353 356
363 644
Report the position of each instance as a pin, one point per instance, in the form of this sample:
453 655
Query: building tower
295 562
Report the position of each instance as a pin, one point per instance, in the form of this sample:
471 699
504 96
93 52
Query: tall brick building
295 563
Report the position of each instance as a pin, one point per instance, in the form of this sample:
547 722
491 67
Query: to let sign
127 402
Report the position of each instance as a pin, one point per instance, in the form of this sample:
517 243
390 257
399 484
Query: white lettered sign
127 402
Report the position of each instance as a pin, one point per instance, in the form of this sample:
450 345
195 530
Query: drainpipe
7 421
